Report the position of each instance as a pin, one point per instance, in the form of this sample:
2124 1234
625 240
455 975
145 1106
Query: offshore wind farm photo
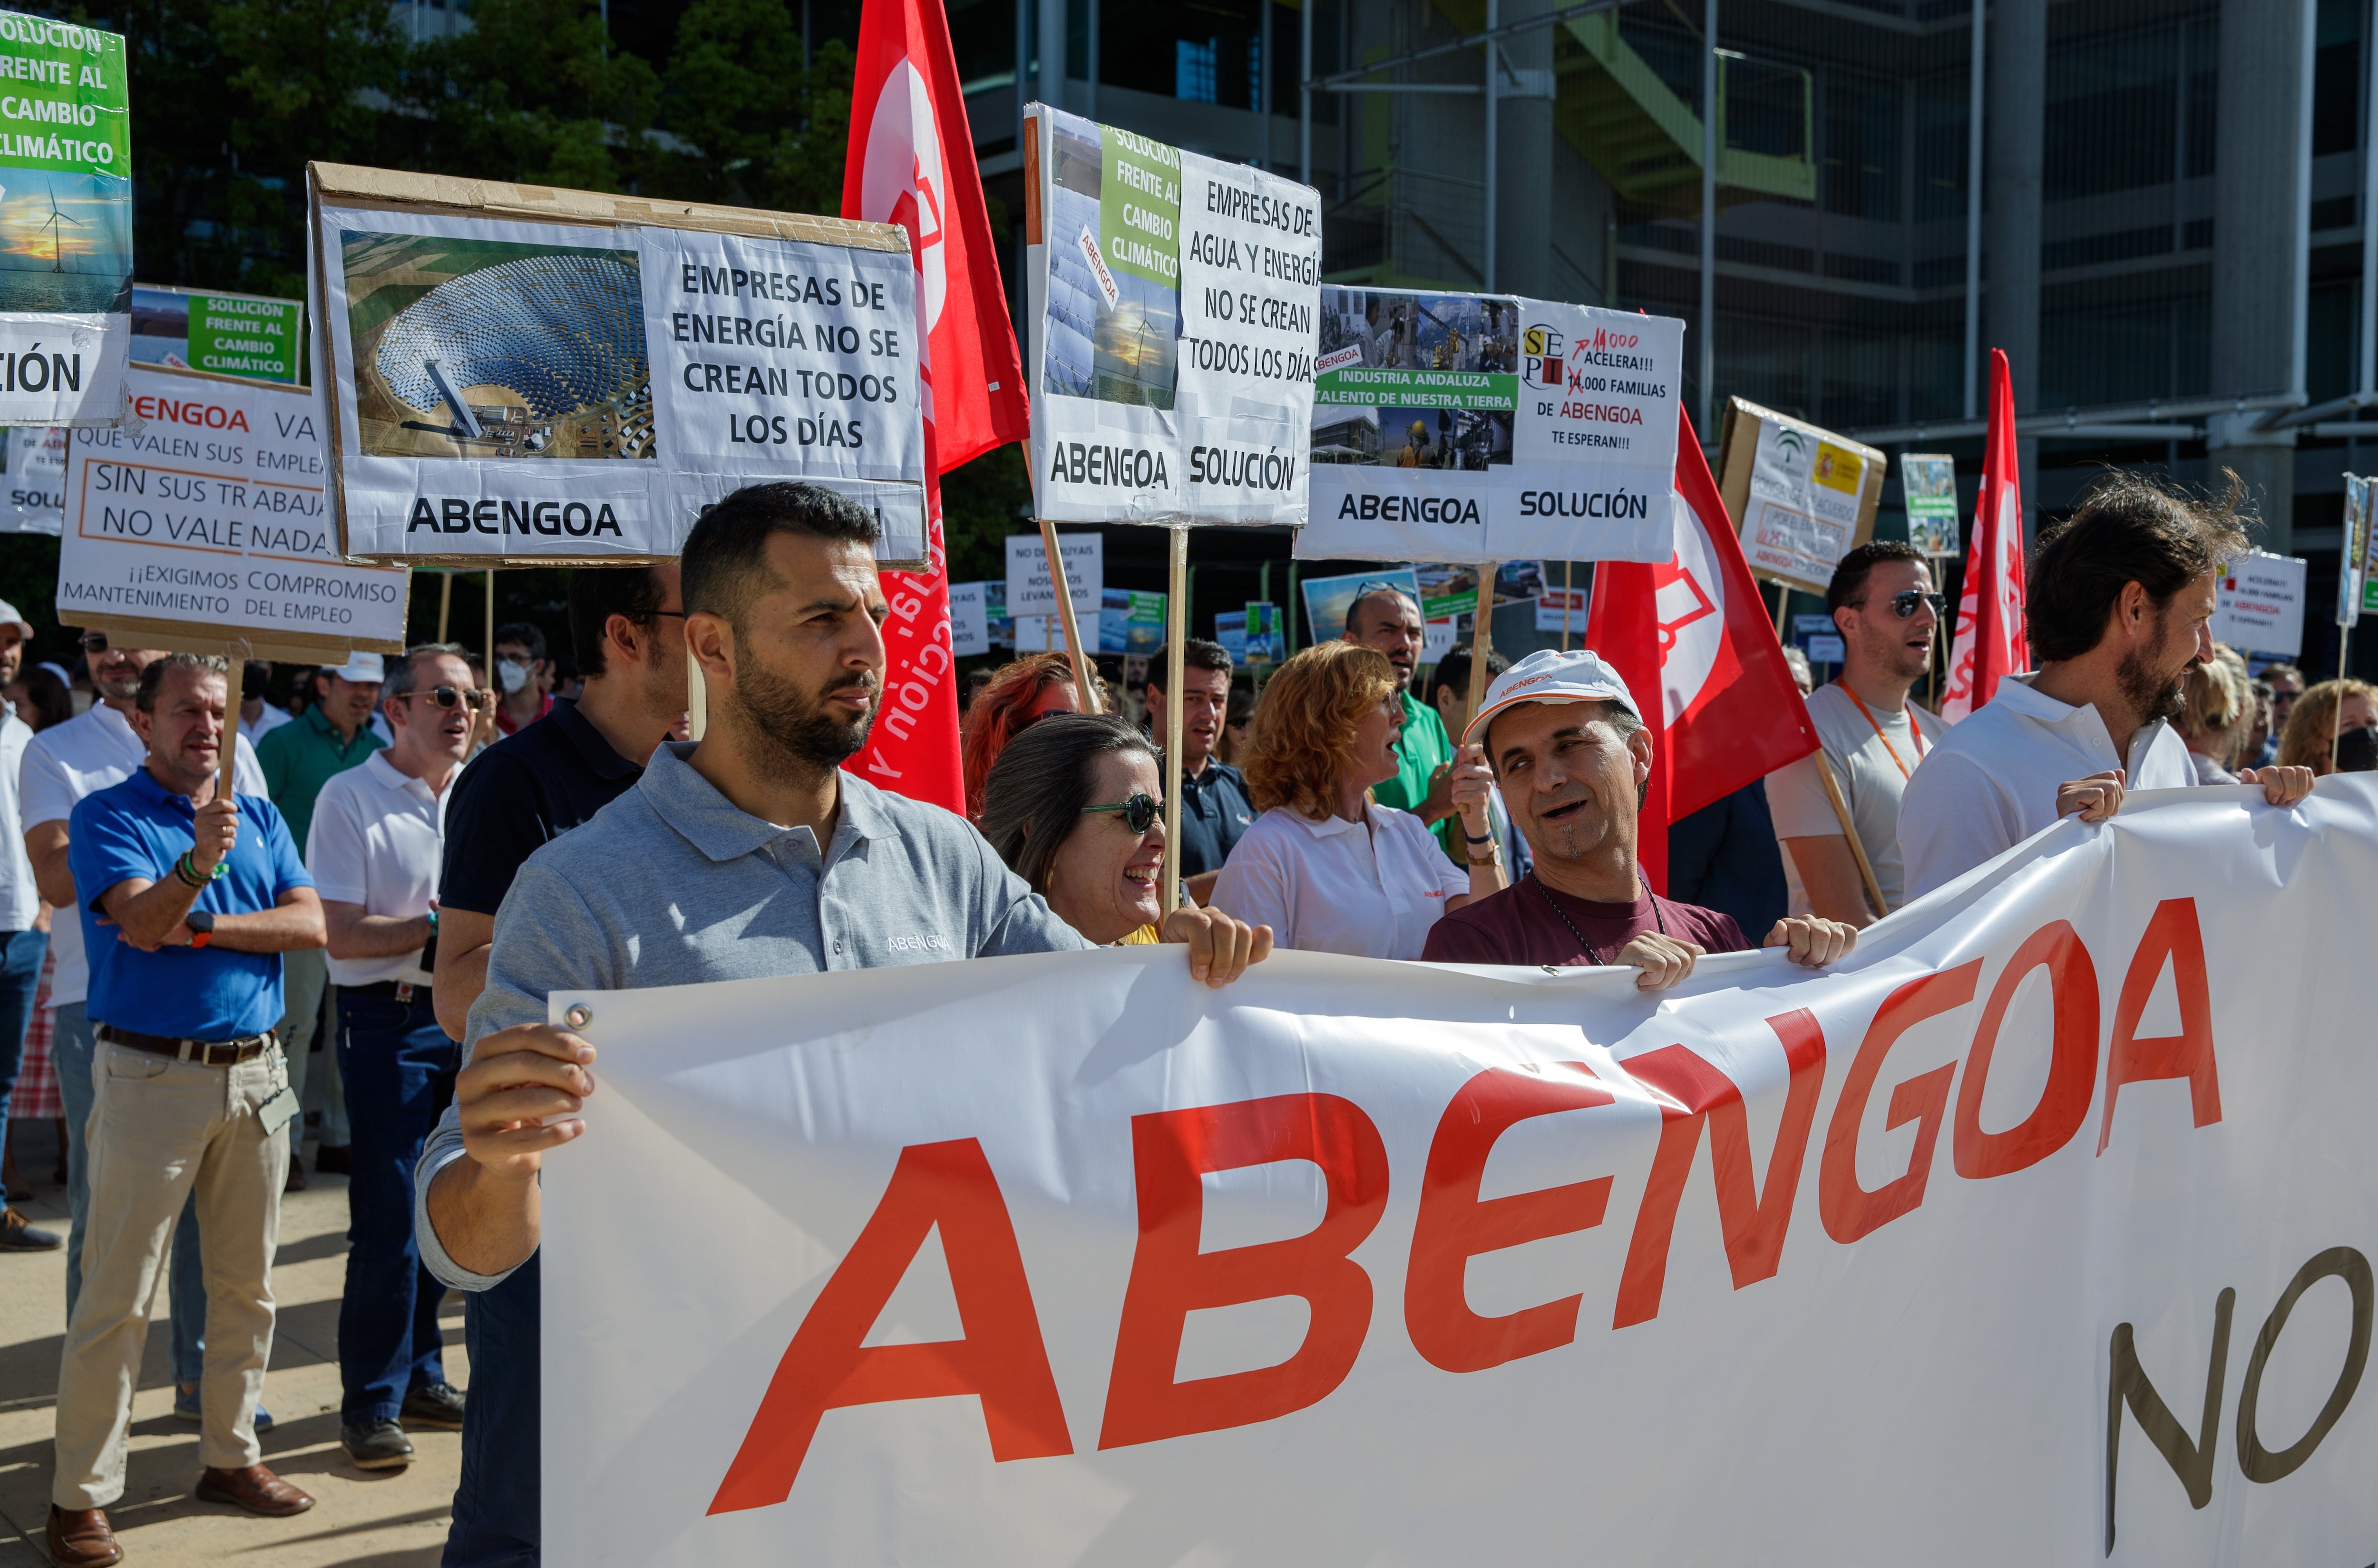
65 241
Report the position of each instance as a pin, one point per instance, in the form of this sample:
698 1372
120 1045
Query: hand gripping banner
2037 1232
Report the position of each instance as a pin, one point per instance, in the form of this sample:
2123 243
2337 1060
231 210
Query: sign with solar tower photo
517 375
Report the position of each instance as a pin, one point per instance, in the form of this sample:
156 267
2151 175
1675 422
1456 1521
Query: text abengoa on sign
208 527
520 374
1930 1257
1172 304
66 222
1480 427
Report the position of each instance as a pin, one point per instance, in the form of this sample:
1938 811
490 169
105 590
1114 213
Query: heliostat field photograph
493 349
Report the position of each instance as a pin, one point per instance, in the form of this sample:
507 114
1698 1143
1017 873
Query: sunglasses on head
448 698
1140 811
1903 605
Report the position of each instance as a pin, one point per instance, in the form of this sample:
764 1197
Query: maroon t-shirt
1520 925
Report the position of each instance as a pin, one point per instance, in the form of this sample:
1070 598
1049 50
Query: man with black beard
750 853
2121 601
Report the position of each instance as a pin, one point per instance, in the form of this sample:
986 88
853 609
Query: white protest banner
66 172
1032 591
558 375
1172 301
33 499
1478 427
2037 1231
969 622
206 527
2258 604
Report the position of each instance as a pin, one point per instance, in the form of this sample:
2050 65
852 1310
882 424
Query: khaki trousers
159 1129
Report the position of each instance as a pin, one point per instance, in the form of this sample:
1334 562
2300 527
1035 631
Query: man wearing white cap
1572 754
333 735
21 942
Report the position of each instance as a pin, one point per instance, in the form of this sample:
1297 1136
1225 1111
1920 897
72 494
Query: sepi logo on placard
1540 358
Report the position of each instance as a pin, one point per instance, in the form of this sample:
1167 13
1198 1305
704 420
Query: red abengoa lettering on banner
1172 1152
1003 1360
1454 1225
1753 1223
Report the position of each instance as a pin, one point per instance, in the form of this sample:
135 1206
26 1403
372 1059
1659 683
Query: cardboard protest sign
969 623
1032 591
251 335
1328 599
1802 497
2034 1231
32 479
1172 301
2258 604
66 222
206 527
1477 428
516 375
1927 483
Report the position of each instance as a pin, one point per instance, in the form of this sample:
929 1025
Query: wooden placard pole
227 764
1176 631
2336 714
1849 832
1482 634
1082 670
445 601
491 633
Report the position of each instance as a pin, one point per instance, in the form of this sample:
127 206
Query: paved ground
386 1520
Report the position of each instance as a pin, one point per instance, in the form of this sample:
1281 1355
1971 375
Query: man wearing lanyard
373 853
1882 601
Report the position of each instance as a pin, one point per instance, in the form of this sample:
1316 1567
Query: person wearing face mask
524 678
1327 866
1074 808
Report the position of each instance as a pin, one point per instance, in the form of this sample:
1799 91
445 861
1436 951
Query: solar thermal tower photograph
491 349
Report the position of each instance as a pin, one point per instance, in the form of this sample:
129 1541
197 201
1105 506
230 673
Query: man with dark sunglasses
374 854
1882 602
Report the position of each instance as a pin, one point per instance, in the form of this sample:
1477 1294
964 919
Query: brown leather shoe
255 1489
80 1537
296 1182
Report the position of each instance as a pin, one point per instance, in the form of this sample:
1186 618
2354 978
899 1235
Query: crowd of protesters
416 857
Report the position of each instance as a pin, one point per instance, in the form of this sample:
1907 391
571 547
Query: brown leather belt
206 1053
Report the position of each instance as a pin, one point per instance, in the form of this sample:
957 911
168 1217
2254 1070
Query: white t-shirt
266 722
93 750
1992 782
1370 890
1873 769
377 840
20 900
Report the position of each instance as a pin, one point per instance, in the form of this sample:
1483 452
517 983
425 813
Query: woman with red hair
1019 696
1326 867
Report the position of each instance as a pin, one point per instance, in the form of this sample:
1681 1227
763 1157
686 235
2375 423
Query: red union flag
1989 645
1693 632
911 163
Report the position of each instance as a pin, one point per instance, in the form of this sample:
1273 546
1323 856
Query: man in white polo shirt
1883 604
98 750
23 942
374 850
2120 608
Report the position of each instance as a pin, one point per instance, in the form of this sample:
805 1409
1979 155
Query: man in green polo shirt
332 735
1386 618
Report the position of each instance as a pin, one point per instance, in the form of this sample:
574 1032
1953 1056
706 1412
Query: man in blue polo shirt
187 902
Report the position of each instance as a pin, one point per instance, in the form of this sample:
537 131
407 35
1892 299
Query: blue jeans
71 1050
496 1523
398 1070
20 976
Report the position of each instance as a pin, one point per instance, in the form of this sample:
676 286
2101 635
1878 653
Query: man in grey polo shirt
750 853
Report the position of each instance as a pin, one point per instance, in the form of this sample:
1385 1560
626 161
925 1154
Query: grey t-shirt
1873 769
671 884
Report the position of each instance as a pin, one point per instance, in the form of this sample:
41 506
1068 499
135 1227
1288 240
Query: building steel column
1523 151
2015 125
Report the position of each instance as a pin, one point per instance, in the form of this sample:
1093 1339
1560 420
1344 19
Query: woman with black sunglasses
1075 806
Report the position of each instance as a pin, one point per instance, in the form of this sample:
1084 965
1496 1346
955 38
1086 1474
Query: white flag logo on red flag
911 163
1991 644
1695 629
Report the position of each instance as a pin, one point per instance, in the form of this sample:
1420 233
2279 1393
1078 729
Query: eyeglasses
1140 811
1903 605
446 697
94 643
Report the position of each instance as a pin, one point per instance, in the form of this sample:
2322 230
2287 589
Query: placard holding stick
1088 693
1482 634
445 600
227 755
1849 832
1176 631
